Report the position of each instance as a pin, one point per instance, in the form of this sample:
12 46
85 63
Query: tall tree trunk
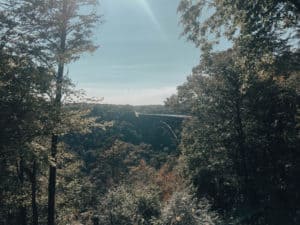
35 218
54 142
95 220
10 219
243 151
57 105
241 142
22 217
52 182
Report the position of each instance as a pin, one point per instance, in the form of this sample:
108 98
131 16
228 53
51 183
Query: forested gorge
234 159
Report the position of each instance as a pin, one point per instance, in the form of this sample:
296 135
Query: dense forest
223 150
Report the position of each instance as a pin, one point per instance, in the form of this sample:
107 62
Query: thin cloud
135 66
147 96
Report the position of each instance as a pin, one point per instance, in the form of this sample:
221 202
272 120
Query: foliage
131 205
258 27
183 209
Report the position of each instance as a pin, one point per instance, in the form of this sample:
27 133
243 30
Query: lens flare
147 8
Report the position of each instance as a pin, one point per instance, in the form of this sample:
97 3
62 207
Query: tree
234 145
264 34
62 30
24 113
130 205
183 209
245 131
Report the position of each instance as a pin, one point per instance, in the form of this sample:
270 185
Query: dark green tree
24 115
241 139
245 131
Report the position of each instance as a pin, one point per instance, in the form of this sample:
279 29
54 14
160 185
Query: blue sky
141 58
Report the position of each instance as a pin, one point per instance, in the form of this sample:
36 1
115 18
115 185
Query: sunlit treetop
42 23
269 23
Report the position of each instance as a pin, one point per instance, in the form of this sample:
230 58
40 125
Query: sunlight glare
146 6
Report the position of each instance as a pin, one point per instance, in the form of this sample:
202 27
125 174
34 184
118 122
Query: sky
141 59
